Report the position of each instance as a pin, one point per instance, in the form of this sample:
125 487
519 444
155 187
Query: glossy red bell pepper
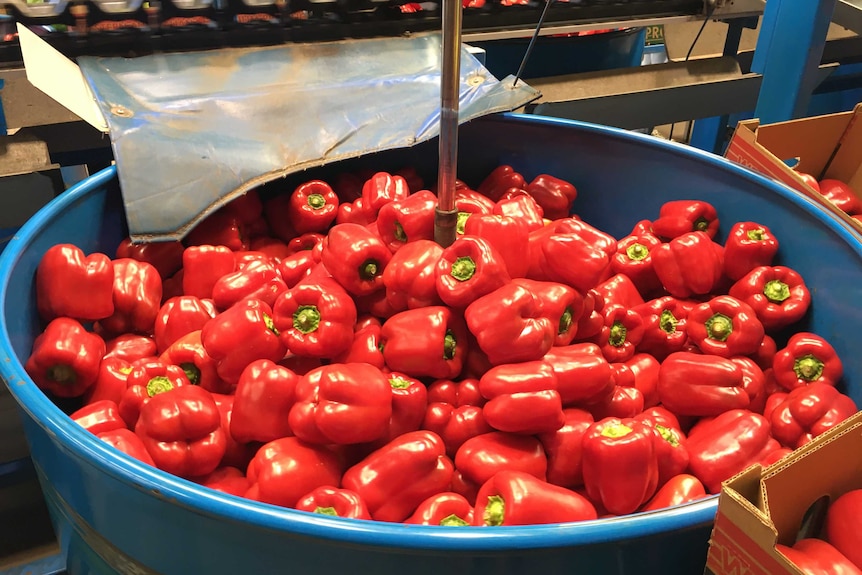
326 500
367 344
591 321
561 304
130 347
304 243
236 454
467 270
563 448
778 295
470 203
553 249
264 396
753 382
659 415
381 189
137 297
701 385
225 479
840 526
275 212
522 207
808 412
394 480
348 185
203 266
410 278
671 452
556 196
172 286
287 469
454 412
312 208
110 384
518 498
189 354
70 284
510 325
180 316
620 290
522 398
221 228
722 446
749 245
507 235
65 358
408 220
447 509
257 279
296 267
622 402
247 208
664 325
128 442
315 318
147 379
99 417
481 457
642 227
765 354
583 375
273 248
680 217
679 489
342 404
818 557
842 195
621 333
181 430
690 264
464 487
725 326
806 359
619 464
633 258
166 257
409 403
356 258
640 372
425 342
502 178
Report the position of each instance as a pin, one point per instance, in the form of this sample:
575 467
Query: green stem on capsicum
619 430
62 374
755 235
461 222
399 383
667 321
192 372
453 521
808 367
566 321
463 268
667 435
400 234
449 345
159 384
637 252
306 318
701 224
369 269
719 327
495 511
776 291
270 325
326 511
617 336
316 201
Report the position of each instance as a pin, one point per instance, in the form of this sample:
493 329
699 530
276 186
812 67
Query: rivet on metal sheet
475 80
122 111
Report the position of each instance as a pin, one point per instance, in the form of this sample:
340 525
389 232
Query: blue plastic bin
136 519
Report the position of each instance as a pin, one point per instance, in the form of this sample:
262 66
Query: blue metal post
789 49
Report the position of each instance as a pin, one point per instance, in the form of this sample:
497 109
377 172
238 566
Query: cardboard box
761 507
823 146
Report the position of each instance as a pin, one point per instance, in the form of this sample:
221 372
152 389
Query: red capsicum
620 290
840 525
447 509
842 195
342 404
348 185
563 448
522 398
315 318
65 275
326 500
65 358
818 557
111 383
778 295
381 189
264 396
407 220
410 278
523 207
181 430
295 267
180 316
725 326
258 279
622 402
137 297
701 385
367 344
356 258
409 402
807 358
502 178
166 257
481 457
620 464
809 411
560 303
236 454
517 498
554 195
425 342
690 264
680 217
399 476
507 235
640 372
455 413
765 354
721 447
633 258
275 213
99 417
286 469
749 245
221 228
664 325
203 266
642 227
671 452
510 325
583 374
273 248
679 489
147 379
468 269
126 441
189 354
247 208
130 347
305 242
470 203
621 333
312 208
240 335
172 286
226 479
553 248
591 321
659 415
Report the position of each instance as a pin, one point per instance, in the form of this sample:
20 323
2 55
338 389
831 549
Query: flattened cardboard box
827 147
761 507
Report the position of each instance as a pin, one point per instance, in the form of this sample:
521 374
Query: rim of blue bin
379 534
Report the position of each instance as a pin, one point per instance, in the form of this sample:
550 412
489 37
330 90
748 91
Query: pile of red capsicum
838 193
317 350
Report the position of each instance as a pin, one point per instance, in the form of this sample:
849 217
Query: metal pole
450 89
